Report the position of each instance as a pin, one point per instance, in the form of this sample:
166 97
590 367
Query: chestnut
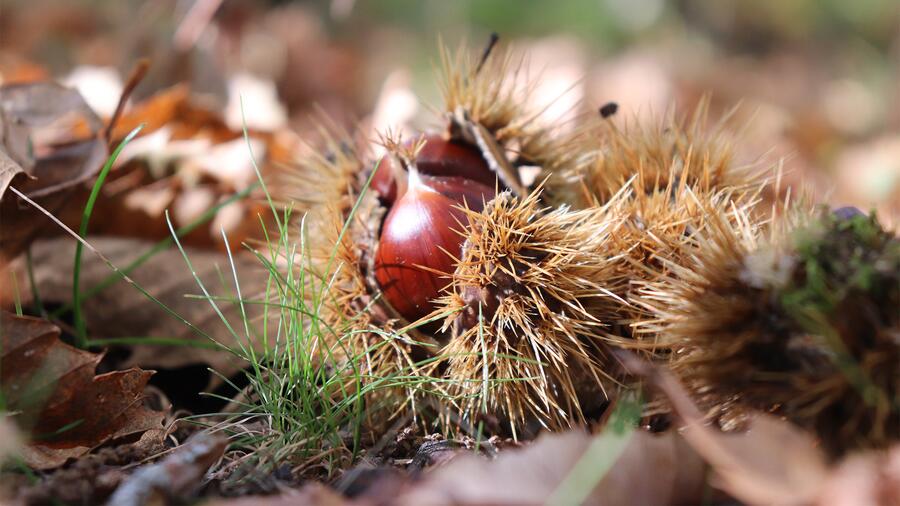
421 238
438 157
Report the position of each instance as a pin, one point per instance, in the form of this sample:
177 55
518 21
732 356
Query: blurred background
816 80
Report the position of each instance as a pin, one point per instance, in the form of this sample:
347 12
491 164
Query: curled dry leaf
15 151
63 133
175 477
51 390
185 159
173 108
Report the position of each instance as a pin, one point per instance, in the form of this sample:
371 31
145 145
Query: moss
840 258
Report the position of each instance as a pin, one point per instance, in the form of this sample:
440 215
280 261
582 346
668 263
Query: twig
176 476
134 78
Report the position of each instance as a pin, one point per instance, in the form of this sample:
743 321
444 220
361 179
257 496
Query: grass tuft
309 389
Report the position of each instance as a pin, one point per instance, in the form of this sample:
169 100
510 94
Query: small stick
135 78
174 477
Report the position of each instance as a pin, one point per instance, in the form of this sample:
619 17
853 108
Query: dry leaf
771 462
154 113
63 131
8 170
64 136
652 469
122 311
173 108
15 151
186 157
92 478
311 493
51 389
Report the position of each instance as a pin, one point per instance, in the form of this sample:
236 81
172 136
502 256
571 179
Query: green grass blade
600 455
80 327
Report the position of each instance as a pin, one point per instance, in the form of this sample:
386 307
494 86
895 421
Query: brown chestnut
421 238
438 157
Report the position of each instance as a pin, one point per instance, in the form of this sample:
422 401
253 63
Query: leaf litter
64 137
51 390
119 311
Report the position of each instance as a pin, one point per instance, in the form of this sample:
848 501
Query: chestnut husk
797 320
572 282
528 308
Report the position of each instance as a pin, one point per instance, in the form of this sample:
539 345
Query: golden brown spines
803 323
528 302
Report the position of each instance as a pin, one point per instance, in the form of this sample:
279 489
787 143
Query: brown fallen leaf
185 159
652 469
64 135
122 311
15 152
311 493
175 109
20 71
63 131
91 478
868 478
774 462
51 389
771 462
8 168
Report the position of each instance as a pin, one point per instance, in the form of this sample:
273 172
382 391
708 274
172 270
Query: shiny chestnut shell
420 233
438 157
